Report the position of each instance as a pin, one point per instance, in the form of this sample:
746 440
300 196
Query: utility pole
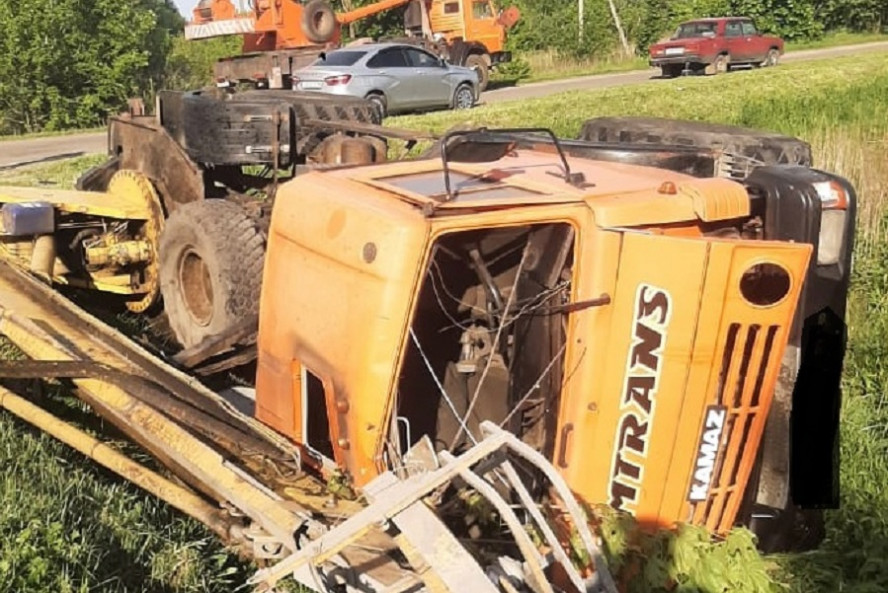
581 8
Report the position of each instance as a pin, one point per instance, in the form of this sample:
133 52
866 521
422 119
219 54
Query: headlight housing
834 202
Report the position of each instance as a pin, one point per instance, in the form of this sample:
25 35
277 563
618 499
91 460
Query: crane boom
465 32
346 18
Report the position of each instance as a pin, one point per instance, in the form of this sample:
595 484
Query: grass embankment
550 65
72 527
48 133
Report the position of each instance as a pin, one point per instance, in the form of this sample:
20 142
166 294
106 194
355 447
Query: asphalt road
17 153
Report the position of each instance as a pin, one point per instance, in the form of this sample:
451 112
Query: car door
433 84
755 44
393 76
734 41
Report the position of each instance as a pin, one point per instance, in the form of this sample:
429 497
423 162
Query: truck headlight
834 202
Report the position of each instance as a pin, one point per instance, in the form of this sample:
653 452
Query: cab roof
533 177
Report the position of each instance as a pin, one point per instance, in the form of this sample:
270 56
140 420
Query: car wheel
772 58
476 62
464 97
719 66
671 70
379 104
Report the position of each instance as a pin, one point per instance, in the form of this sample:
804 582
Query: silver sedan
396 77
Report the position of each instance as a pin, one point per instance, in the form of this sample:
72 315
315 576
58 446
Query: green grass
50 133
68 526
550 65
836 39
72 525
780 100
61 174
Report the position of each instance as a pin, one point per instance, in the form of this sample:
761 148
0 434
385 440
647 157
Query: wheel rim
721 65
378 105
772 58
464 98
196 287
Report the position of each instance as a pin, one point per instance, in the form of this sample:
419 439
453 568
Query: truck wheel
211 256
318 21
745 147
478 63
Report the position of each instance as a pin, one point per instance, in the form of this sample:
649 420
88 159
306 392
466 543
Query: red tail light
336 80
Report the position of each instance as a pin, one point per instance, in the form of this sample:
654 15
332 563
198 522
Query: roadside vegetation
550 64
73 527
68 64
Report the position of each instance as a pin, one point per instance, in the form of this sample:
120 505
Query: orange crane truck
536 323
281 36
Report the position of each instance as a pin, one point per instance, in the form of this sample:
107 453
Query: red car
713 45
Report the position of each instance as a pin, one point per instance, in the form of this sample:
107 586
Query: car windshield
688 30
339 58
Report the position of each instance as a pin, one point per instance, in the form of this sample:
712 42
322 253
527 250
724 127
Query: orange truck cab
281 36
629 321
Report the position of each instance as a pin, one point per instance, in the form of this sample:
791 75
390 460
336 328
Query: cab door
395 77
756 45
481 24
432 86
734 41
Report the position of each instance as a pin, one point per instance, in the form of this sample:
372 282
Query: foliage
389 23
517 69
67 63
855 15
555 24
190 63
685 560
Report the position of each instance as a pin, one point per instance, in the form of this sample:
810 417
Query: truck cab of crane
627 321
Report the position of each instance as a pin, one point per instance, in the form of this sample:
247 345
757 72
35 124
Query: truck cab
629 322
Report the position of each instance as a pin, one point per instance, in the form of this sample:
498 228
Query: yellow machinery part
135 187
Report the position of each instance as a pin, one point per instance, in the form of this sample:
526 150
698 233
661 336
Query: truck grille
746 361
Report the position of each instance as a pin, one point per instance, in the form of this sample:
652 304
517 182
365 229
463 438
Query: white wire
440 387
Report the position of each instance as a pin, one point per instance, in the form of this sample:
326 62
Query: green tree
67 63
854 15
190 63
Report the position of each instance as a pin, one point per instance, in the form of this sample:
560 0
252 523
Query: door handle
562 450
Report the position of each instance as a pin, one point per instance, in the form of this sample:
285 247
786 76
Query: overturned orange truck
651 316
630 322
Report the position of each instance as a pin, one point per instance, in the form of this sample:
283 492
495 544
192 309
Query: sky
185 6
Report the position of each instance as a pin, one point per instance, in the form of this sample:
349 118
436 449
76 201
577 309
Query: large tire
745 147
211 256
477 62
318 21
